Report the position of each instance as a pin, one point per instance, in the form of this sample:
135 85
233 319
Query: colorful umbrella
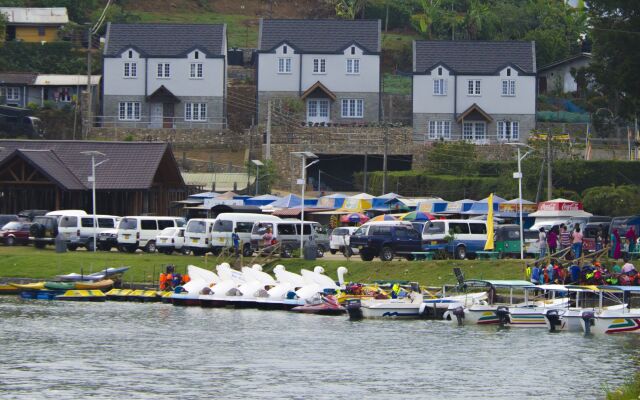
384 217
418 216
354 218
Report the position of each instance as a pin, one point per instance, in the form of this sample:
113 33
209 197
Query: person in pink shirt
552 240
576 240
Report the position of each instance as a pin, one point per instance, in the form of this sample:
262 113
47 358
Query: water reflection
116 350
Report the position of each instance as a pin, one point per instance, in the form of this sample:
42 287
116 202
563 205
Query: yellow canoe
99 285
8 289
29 286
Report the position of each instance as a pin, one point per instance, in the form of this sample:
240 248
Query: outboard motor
502 313
459 313
554 319
588 317
354 308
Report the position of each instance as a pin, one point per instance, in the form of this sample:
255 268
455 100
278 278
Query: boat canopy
620 288
499 283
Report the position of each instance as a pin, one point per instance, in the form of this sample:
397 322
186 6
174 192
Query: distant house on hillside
165 76
560 76
482 92
34 24
138 178
20 89
333 66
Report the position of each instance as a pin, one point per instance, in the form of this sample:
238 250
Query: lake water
113 350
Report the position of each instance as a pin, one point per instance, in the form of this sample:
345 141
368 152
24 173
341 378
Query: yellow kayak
82 295
99 285
8 289
29 286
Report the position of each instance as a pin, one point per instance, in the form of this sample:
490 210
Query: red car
16 232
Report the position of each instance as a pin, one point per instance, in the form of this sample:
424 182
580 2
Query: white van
287 233
197 235
140 232
78 230
226 223
460 237
60 213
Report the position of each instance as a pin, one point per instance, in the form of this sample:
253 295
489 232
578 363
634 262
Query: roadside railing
146 122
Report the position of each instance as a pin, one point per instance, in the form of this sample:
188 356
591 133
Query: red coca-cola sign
559 206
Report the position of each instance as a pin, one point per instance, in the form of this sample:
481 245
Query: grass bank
631 390
28 262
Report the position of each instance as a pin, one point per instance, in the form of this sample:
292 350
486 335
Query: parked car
140 232
15 232
507 241
590 233
242 223
43 231
286 232
6 218
170 240
198 235
29 215
458 237
339 240
386 241
79 230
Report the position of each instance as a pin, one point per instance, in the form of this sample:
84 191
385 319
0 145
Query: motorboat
321 305
437 306
623 319
96 276
406 307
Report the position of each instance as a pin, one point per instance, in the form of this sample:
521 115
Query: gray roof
130 165
320 35
165 40
474 57
17 78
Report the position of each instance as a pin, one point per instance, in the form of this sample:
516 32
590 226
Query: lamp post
303 156
258 164
518 176
92 179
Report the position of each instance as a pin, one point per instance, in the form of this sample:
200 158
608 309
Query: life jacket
185 278
163 281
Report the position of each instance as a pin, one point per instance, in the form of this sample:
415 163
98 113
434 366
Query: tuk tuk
590 233
507 241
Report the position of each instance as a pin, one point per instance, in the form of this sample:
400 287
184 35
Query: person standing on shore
565 237
577 242
632 237
615 245
552 240
542 243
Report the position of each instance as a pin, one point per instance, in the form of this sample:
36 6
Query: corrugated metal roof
21 78
224 180
130 165
65 80
44 15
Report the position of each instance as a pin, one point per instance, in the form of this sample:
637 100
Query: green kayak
60 285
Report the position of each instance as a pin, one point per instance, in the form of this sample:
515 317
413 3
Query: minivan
459 237
242 223
140 232
287 233
78 230
197 235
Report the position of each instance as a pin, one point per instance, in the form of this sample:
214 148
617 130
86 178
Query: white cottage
333 66
482 92
165 75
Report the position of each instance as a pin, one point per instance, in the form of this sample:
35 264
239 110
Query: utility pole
88 97
384 159
549 168
267 153
366 157
540 179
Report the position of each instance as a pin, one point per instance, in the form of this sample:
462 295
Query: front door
167 114
318 110
156 115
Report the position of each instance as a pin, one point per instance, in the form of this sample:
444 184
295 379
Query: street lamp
258 164
304 155
92 179
518 176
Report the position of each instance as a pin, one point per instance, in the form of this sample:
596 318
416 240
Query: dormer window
130 54
508 71
196 54
439 71
284 49
353 50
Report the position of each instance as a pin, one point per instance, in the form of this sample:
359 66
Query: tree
475 17
429 12
349 9
3 24
612 200
615 30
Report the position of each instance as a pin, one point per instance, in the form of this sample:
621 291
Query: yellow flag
489 244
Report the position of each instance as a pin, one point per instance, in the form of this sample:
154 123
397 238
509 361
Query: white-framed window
164 70
473 87
440 129
353 66
352 108
64 95
474 131
130 70
284 65
129 111
440 87
319 65
508 130
508 87
195 70
13 93
318 108
195 111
